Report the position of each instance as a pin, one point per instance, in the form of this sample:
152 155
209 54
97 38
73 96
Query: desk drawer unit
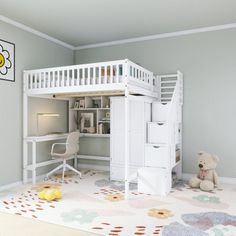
157 156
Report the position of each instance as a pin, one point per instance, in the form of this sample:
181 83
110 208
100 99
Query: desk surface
47 137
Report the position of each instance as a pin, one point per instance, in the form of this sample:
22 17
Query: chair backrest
72 141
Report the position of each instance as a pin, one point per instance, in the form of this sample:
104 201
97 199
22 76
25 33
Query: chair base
63 166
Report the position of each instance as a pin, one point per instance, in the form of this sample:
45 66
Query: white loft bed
113 78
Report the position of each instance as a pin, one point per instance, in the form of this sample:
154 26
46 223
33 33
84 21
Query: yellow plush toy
50 194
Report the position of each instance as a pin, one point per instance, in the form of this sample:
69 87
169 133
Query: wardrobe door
137 132
117 131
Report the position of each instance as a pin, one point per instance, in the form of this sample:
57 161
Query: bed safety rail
88 76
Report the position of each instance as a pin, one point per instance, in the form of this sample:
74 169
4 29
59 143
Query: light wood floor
12 225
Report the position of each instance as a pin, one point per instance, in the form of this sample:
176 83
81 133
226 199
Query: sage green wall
31 52
208 61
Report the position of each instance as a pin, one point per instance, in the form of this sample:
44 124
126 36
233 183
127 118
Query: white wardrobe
139 115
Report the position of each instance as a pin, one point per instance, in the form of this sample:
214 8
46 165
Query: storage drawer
155 181
160 111
159 132
157 156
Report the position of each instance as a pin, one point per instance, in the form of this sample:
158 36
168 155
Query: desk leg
25 162
33 162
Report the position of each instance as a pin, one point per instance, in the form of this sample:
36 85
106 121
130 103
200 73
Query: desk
32 167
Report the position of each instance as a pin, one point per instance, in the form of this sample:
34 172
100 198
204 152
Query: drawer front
160 111
153 181
157 133
157 156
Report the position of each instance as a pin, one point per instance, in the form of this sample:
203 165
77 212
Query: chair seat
58 155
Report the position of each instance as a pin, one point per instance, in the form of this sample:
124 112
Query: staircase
163 150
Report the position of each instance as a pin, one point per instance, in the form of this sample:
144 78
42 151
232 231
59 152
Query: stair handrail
173 105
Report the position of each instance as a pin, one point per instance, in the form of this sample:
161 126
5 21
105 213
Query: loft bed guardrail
102 76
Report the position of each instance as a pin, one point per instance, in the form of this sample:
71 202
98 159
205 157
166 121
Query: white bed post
180 107
25 129
126 73
72 126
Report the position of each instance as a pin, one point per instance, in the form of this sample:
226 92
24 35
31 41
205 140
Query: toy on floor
50 194
207 177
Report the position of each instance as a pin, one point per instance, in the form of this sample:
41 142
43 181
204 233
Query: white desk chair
71 148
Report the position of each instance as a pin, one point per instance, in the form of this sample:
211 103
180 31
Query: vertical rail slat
94 75
49 79
53 79
40 80
73 78
63 78
78 77
111 75
105 74
43 79
83 76
58 78
117 73
99 75
35 80
89 79
67 77
30 81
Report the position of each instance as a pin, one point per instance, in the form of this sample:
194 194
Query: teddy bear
207 177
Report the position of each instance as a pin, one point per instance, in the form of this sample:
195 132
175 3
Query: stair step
167 92
167 87
168 81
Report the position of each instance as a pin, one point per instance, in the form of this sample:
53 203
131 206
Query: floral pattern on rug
160 213
114 197
45 185
81 216
205 201
96 204
208 199
207 220
177 229
27 204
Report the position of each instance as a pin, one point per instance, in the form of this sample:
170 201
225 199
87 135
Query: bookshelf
92 115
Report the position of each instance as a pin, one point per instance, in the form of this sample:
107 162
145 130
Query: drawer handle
160 123
156 146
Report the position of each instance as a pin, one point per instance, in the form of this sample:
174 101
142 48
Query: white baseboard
12 185
226 180
18 183
93 167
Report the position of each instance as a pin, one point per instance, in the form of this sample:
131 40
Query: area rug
12 225
97 205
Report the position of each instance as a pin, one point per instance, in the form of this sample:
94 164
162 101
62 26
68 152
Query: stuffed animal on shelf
50 194
207 177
